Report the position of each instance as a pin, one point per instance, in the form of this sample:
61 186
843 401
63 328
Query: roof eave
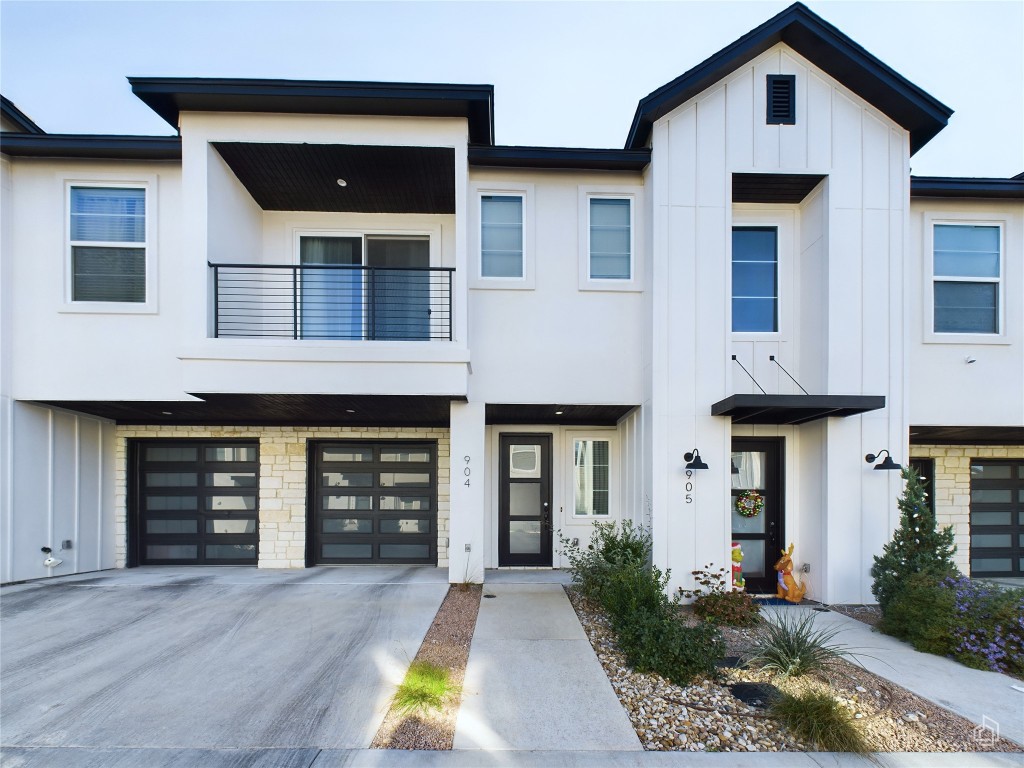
966 187
825 46
91 147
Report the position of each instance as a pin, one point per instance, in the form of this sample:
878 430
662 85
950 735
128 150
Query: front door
757 467
524 505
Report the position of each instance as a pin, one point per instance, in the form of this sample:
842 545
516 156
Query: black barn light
886 463
694 459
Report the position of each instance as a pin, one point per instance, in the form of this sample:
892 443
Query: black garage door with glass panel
196 502
373 503
997 518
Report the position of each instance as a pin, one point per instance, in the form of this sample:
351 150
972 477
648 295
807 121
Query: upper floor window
966 278
501 236
591 477
108 244
611 239
755 279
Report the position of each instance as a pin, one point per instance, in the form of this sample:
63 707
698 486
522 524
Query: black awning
793 409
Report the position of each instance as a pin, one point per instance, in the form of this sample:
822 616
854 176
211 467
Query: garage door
196 502
374 503
997 518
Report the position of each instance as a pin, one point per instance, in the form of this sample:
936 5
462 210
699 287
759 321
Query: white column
468 497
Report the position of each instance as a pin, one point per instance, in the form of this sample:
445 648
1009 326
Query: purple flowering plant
988 625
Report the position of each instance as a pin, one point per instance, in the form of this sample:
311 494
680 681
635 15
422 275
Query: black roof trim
570 158
951 186
91 147
825 46
793 409
16 116
169 96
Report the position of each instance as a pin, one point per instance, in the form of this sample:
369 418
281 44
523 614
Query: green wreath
750 504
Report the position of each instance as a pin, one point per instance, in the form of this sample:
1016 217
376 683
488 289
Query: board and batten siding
59 486
841 315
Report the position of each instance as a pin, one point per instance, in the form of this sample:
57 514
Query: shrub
660 643
610 546
922 614
426 686
988 625
792 646
820 721
917 546
632 589
714 599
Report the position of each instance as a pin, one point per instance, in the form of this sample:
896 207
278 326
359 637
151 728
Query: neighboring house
331 322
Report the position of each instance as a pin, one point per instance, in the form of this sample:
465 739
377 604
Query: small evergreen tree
917 546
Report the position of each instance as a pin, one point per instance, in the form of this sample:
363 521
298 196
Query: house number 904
689 486
467 472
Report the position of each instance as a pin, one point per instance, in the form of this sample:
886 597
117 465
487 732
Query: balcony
332 302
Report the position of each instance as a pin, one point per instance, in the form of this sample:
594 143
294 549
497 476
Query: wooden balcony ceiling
274 410
378 179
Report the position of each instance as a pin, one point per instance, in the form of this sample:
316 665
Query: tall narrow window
755 279
591 477
108 244
611 247
966 274
501 236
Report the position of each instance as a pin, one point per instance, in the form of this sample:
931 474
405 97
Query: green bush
610 546
791 646
634 588
921 613
917 546
715 600
820 721
655 642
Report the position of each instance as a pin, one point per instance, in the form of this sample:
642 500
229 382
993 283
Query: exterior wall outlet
66 544
805 568
469 547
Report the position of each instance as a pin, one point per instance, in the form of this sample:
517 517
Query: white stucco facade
546 361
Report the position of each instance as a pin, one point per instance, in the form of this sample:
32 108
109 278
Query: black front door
757 466
524 506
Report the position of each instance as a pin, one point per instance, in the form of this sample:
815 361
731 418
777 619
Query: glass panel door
524 509
756 469
331 300
399 296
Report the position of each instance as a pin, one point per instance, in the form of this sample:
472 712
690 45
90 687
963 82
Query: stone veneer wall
953 487
283 473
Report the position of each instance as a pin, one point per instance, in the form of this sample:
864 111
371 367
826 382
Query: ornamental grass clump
789 647
426 687
821 721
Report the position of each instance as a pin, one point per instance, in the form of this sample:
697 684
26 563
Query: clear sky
565 73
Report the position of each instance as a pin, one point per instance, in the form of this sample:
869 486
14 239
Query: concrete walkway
981 697
533 681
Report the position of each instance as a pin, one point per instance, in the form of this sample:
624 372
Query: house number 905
689 486
467 472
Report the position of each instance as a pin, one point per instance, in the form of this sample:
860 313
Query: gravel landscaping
706 717
447 645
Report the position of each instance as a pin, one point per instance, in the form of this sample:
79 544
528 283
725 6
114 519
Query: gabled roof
827 48
169 96
91 147
16 116
952 186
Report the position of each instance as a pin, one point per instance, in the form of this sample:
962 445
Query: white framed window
755 279
504 236
593 475
966 275
110 263
608 241
762 267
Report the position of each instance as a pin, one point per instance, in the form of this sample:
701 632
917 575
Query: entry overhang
793 409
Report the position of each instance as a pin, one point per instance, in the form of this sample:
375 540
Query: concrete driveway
210 657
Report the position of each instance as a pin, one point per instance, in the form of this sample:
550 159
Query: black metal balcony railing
332 302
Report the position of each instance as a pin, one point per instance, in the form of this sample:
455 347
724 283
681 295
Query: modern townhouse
334 323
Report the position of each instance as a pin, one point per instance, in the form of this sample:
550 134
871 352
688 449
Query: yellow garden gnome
789 588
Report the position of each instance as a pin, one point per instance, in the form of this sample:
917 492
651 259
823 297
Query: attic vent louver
781 99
